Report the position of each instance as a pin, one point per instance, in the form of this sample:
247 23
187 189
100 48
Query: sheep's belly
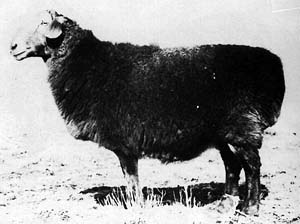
177 149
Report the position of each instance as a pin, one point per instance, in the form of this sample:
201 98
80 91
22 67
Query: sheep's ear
54 30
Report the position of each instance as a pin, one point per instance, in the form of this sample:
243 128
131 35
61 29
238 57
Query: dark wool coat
165 103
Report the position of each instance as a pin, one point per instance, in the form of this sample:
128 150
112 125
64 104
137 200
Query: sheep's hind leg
251 165
232 169
129 165
232 174
243 130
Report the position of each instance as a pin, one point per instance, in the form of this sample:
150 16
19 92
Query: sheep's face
31 41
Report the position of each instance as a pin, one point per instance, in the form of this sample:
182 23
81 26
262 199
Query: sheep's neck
80 70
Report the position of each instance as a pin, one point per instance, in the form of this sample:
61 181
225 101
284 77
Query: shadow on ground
199 194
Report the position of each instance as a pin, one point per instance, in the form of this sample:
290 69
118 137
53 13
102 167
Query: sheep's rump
174 103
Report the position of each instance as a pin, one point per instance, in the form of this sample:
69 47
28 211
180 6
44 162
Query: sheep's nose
13 46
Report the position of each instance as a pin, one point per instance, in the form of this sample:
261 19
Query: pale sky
26 104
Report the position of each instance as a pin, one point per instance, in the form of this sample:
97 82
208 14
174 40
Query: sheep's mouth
19 56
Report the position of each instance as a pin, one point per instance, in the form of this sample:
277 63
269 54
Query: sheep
170 104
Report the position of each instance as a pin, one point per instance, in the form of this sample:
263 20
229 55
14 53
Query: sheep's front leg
129 165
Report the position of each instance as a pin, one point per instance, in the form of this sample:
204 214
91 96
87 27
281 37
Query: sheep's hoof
227 203
249 209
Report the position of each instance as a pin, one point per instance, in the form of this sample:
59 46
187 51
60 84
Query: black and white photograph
149 111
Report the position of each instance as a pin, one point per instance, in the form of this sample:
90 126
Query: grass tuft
183 210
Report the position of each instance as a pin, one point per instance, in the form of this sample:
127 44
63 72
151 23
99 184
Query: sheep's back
187 95
207 82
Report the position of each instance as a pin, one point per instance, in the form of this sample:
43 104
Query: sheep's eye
44 23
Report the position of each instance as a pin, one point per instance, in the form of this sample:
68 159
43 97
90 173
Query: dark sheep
170 104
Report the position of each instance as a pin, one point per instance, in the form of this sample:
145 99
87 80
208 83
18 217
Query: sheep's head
32 40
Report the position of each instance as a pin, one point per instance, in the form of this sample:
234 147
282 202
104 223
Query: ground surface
43 184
